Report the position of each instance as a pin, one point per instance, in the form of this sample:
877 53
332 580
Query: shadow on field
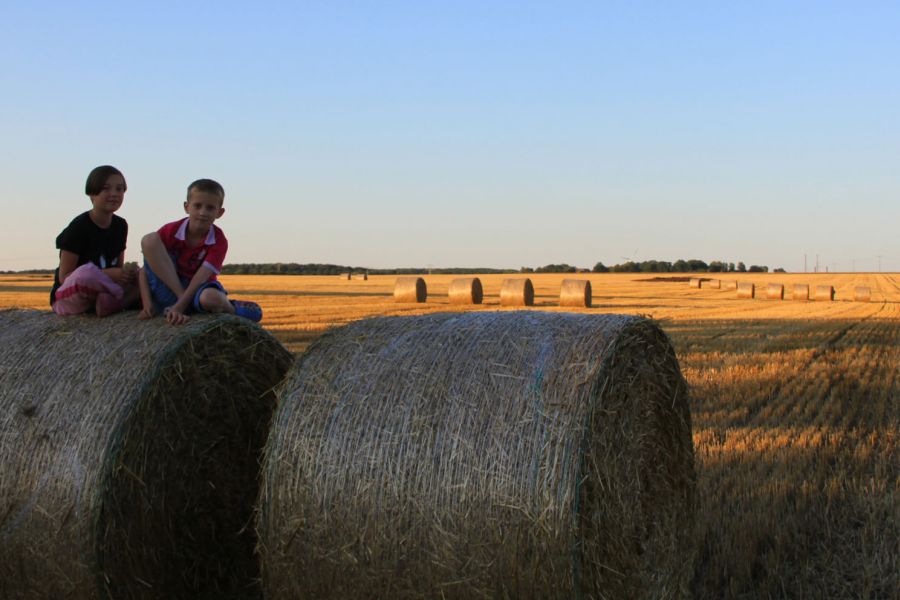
797 450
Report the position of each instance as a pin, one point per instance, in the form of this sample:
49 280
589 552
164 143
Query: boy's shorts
163 297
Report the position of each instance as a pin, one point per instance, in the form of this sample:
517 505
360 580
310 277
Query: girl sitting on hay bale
92 275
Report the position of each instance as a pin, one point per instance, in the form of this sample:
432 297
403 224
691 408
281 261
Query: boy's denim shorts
163 297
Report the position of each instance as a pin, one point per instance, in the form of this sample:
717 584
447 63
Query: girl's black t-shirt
92 244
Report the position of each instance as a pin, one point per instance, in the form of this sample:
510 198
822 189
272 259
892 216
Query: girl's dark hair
97 179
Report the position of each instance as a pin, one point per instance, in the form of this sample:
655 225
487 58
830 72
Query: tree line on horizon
647 266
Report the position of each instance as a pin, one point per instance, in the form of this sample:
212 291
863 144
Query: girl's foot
247 310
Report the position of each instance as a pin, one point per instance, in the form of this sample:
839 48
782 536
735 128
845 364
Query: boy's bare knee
214 301
151 240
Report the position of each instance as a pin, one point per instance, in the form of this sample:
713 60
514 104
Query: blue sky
482 134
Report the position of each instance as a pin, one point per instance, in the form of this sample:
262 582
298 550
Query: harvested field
794 408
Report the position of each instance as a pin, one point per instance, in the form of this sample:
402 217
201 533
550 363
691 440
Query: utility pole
817 263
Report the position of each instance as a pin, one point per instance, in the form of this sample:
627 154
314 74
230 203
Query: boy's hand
174 316
147 312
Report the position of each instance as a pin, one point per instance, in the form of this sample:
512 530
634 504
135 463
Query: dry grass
795 411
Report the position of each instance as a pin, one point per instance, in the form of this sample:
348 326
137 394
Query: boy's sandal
247 310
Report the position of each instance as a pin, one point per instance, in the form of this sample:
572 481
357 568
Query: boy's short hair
209 186
96 179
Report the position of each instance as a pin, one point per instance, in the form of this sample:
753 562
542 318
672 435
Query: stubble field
794 406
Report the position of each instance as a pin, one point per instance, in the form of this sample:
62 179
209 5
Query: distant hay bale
746 290
695 282
481 455
575 292
345 276
824 293
363 276
862 294
801 292
730 284
775 291
713 284
129 455
517 292
465 290
410 289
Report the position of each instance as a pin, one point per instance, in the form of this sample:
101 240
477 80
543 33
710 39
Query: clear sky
464 134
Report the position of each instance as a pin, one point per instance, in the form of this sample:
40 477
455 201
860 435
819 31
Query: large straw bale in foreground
824 293
746 290
129 455
575 292
775 291
801 291
517 292
466 290
862 294
410 289
481 455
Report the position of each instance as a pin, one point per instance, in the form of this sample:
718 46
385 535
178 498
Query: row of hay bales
776 291
484 454
513 291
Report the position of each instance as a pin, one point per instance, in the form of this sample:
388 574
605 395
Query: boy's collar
182 232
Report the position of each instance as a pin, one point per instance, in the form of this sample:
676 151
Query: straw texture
729 284
575 292
695 282
775 291
746 290
801 292
466 290
410 289
517 292
481 455
862 294
824 293
129 455
713 284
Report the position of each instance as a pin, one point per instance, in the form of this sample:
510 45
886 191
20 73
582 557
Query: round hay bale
481 455
862 294
517 292
129 455
775 291
410 289
746 290
575 292
730 285
713 284
801 292
362 276
465 290
824 293
695 282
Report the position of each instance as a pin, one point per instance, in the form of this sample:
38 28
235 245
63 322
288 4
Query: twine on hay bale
801 292
713 284
695 282
775 291
481 455
466 290
730 284
862 294
129 455
575 292
824 293
517 292
746 290
410 289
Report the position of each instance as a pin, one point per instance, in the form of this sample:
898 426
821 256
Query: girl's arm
176 315
68 262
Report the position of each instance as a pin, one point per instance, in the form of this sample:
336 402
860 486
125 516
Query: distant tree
526 270
731 267
758 269
779 270
696 265
600 268
717 266
741 267
680 266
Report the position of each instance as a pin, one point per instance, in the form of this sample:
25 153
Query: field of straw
794 404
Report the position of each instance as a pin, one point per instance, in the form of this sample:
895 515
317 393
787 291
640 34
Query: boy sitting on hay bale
183 258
